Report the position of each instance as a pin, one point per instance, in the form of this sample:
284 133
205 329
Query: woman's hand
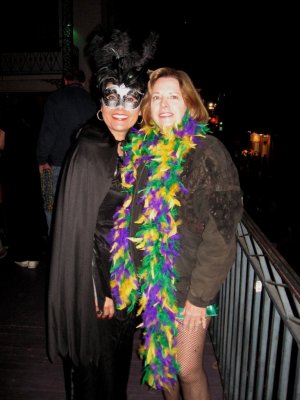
194 317
108 308
43 167
2 139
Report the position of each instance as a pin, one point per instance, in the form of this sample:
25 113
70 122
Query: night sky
31 25
247 53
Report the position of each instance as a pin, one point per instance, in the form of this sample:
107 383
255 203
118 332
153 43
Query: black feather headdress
116 61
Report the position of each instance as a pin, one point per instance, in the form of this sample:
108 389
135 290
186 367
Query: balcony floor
25 372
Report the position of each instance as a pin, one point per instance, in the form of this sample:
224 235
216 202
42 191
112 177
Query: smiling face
120 109
167 104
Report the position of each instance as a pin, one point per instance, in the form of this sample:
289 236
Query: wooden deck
25 372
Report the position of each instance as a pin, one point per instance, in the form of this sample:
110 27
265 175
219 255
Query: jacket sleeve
214 259
48 133
218 204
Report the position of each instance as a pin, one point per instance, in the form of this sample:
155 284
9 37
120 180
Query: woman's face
167 104
120 109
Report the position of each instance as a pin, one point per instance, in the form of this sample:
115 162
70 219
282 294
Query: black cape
85 181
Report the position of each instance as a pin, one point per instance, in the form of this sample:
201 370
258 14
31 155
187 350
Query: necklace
153 285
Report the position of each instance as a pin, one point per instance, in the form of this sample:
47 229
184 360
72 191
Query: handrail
257 334
281 265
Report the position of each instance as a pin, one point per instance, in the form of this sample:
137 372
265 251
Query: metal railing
257 334
31 63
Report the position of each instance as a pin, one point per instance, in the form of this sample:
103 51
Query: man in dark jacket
66 110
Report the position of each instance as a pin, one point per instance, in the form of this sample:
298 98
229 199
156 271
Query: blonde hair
190 94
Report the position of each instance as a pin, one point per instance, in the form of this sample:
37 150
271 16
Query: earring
98 114
141 121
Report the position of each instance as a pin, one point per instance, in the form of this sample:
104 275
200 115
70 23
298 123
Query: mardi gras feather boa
152 287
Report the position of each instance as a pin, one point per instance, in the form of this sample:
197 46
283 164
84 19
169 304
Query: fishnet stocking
192 377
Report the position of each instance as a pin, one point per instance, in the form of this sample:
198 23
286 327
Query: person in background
173 241
24 220
3 249
83 327
66 110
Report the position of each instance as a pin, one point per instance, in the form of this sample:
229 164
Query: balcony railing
31 63
257 335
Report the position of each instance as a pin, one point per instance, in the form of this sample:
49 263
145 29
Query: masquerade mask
115 96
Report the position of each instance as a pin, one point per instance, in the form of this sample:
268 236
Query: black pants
108 379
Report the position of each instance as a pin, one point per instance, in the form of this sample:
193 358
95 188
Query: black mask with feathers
117 62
